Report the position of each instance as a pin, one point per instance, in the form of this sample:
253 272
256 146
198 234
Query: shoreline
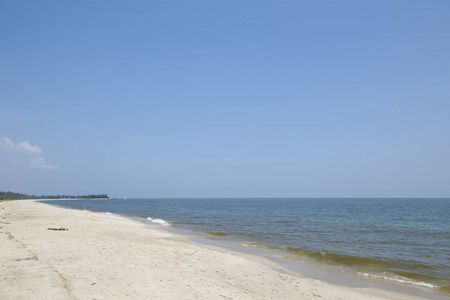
111 256
297 262
304 267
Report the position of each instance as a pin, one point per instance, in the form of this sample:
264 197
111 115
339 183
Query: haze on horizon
226 99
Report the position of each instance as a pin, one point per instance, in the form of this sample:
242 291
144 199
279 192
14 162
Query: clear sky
225 98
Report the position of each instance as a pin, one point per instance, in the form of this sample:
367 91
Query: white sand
112 257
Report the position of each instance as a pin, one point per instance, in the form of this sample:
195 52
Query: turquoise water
403 240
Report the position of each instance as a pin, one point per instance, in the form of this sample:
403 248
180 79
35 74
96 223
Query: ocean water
399 240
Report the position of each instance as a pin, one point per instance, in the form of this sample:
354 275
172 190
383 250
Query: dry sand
112 257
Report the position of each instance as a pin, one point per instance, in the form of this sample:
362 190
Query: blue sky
225 99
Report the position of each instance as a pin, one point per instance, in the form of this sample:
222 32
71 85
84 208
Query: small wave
218 233
159 221
381 269
254 244
107 213
339 259
400 279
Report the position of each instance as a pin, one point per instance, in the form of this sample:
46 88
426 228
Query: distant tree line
16 196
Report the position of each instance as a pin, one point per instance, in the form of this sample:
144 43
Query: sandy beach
103 256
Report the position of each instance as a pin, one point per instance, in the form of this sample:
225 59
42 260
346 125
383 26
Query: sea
401 241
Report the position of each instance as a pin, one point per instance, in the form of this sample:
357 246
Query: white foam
108 213
400 279
159 221
247 245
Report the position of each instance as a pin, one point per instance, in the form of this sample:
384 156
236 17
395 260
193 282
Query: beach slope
103 256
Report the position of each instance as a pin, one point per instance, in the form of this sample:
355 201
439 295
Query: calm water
405 240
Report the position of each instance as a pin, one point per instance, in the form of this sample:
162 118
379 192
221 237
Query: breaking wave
159 221
398 278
